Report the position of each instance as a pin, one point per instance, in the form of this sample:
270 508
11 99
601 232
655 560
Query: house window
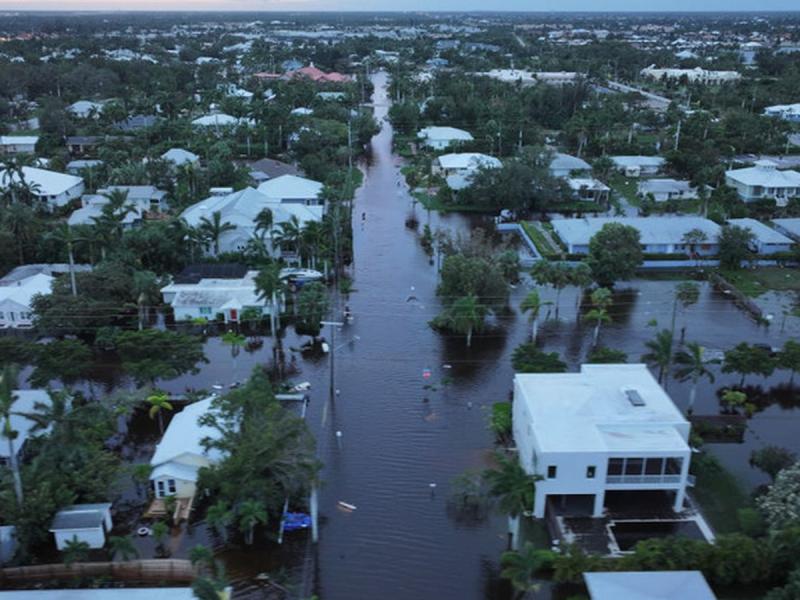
653 466
633 466
673 466
171 486
551 471
205 310
590 472
615 466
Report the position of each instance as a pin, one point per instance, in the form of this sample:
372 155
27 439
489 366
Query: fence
141 571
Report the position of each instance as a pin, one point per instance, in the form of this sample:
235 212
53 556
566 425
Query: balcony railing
623 479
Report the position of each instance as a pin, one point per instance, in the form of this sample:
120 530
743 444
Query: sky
389 5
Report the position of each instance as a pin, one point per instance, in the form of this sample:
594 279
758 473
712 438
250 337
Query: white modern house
440 138
55 189
696 75
82 522
647 585
179 157
458 168
25 402
767 240
16 298
658 235
606 428
787 112
292 189
566 165
637 166
764 180
209 297
18 144
180 453
240 209
662 190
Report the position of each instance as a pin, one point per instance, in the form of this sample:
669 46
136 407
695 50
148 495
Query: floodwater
403 438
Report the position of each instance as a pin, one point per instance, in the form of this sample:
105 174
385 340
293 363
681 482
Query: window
615 466
633 466
674 466
653 466
205 310
2 315
551 471
12 316
171 486
590 472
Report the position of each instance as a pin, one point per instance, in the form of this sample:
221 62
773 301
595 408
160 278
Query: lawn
540 241
718 493
754 282
430 202
625 187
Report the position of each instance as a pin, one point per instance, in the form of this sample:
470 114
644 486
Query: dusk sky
378 5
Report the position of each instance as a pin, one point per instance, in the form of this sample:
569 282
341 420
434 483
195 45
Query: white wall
96 538
183 487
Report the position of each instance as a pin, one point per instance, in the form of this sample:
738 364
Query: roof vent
634 397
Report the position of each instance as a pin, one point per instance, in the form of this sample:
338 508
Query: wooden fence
142 571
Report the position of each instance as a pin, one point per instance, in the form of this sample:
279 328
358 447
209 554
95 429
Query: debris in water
346 505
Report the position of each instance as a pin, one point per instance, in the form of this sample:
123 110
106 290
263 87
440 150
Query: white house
179 157
240 209
606 428
767 240
83 109
647 585
219 121
787 112
143 198
25 402
292 189
18 144
666 189
658 235
458 168
636 166
83 522
16 298
696 75
440 138
208 297
56 189
764 180
565 165
180 453
589 189
789 227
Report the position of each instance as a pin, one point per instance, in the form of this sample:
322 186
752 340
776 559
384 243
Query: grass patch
540 241
754 282
430 202
719 493
625 187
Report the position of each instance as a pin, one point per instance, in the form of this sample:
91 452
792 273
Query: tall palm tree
659 353
213 229
264 221
269 285
251 513
288 235
511 486
8 383
64 234
54 414
532 304
465 316
520 567
22 222
691 364
601 300
311 236
159 402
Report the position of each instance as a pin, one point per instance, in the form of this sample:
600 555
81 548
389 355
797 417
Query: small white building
607 428
16 298
209 297
219 121
459 168
83 109
658 235
589 189
647 585
764 180
637 166
179 157
666 189
440 138
767 240
180 453
566 165
18 144
83 522
787 112
696 75
25 402
55 189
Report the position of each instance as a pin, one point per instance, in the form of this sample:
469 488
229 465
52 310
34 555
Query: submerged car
296 275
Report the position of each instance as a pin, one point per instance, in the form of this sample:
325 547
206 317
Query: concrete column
599 504
539 503
513 532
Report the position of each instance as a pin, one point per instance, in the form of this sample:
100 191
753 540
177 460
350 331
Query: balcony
642 479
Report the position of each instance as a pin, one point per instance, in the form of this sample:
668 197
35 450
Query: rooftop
80 516
49 183
468 160
763 233
653 230
649 585
765 174
594 410
287 187
563 161
445 133
184 434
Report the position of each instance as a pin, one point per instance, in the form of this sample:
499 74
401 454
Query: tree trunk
14 465
535 329
692 397
596 334
72 270
558 296
161 421
248 536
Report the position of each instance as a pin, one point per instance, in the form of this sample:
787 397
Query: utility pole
678 135
334 325
349 145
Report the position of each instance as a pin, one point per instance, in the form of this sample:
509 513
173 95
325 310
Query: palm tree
533 304
288 235
8 382
465 316
268 285
56 412
660 353
213 229
159 402
520 567
123 547
65 235
264 222
202 556
21 221
75 550
235 341
219 517
601 300
513 488
692 365
251 513
311 237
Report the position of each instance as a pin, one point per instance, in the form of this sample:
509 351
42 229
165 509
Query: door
234 315
159 489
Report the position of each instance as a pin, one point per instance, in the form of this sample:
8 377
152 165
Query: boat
297 275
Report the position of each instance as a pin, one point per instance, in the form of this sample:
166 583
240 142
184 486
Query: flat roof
763 232
648 585
791 225
590 411
165 593
653 230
